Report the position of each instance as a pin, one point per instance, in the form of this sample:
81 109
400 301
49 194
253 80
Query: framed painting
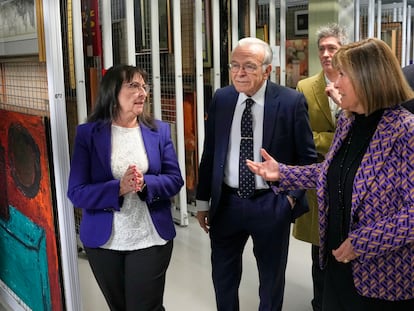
301 22
206 29
29 240
391 33
142 10
21 29
263 33
296 61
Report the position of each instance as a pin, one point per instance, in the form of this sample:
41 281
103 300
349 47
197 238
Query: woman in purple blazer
124 172
365 186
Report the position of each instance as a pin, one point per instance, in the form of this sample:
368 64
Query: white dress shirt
332 105
231 169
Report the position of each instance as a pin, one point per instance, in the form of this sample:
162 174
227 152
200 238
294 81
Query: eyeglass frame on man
248 68
138 86
332 49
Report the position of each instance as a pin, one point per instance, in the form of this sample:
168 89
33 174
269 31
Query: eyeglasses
249 68
330 48
138 86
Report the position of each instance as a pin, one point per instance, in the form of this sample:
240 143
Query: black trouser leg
131 280
318 277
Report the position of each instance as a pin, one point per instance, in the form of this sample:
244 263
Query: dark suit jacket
409 75
287 136
93 188
409 105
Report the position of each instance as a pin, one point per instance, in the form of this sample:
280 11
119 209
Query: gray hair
268 53
333 30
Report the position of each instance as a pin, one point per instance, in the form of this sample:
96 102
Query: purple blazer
93 188
382 213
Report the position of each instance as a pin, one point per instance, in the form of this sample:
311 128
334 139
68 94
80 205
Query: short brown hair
332 30
375 74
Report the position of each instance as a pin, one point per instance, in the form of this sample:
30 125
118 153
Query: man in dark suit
409 75
281 125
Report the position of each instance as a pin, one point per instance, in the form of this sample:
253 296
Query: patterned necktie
246 177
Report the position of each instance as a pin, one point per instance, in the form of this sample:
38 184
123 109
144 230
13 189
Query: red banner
92 40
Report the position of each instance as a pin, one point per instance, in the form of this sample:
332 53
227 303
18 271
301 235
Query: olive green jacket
306 227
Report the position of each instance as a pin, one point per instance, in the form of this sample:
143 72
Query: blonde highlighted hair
375 74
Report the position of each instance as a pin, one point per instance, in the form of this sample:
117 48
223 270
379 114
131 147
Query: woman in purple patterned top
365 185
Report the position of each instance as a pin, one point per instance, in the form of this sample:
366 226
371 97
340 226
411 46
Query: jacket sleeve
205 174
305 149
165 182
90 188
322 141
392 226
322 129
298 177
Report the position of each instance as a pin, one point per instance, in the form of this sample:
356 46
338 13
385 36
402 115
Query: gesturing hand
333 93
268 169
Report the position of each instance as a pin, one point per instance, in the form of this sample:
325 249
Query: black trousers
266 220
340 293
318 279
131 280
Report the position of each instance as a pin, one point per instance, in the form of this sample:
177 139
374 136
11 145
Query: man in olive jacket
322 99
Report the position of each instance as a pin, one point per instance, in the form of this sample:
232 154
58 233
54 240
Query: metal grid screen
23 87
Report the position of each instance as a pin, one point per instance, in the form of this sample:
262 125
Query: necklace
345 168
342 174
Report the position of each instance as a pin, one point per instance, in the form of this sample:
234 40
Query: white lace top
132 225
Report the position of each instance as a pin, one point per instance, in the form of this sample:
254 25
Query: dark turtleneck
341 174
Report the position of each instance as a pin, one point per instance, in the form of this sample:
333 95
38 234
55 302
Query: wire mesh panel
23 87
363 22
119 37
391 26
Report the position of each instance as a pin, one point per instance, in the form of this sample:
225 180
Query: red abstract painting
28 197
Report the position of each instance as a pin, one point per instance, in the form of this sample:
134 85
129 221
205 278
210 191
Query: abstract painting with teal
29 240
23 262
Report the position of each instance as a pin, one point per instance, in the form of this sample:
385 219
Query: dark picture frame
301 22
142 10
391 33
206 29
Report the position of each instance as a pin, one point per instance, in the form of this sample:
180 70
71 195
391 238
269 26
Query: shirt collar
326 79
258 97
